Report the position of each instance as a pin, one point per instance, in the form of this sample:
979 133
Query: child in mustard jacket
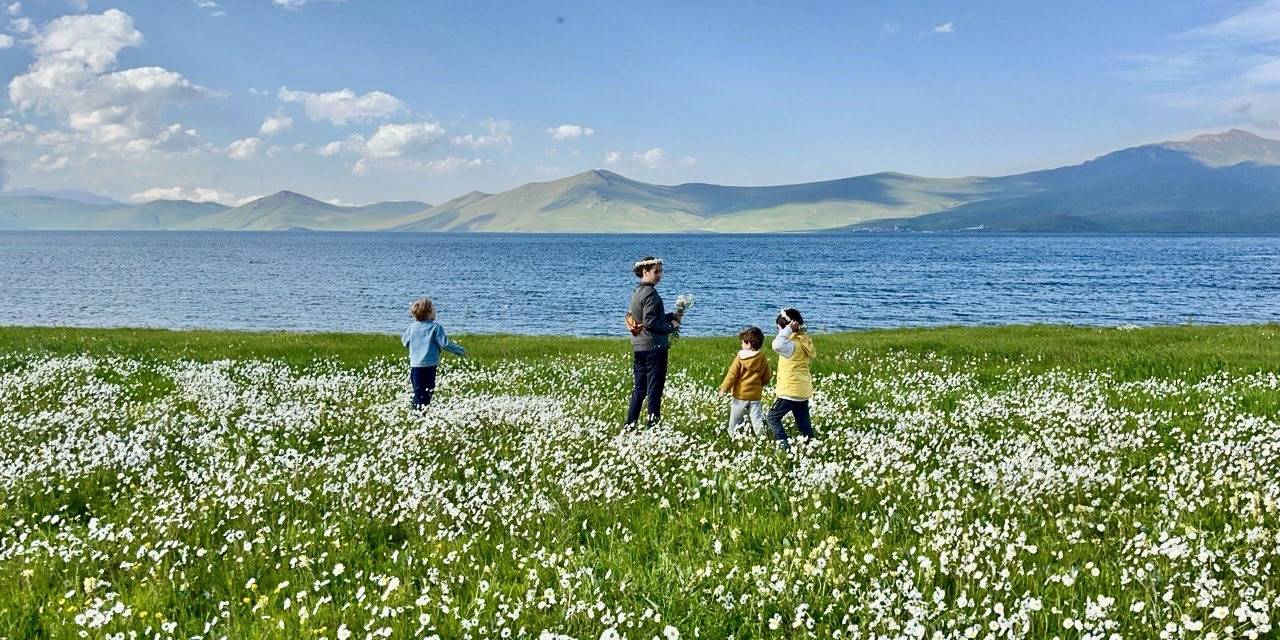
795 382
746 378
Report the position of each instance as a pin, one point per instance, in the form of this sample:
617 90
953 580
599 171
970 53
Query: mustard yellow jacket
747 375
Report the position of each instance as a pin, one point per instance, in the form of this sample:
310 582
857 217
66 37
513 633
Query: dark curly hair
789 314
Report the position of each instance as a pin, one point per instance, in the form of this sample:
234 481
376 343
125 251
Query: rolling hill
1226 182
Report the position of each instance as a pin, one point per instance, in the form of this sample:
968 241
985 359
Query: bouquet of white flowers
683 302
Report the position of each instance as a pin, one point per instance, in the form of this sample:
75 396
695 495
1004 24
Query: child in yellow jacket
745 379
795 382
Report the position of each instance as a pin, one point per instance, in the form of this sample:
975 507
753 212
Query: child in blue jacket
424 338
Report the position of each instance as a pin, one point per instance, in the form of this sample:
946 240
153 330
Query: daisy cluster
252 498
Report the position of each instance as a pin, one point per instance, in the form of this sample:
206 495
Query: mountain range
1226 182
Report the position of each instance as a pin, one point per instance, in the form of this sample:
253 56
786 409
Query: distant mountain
63 194
159 214
287 210
282 211
1229 148
603 201
1226 182
45 212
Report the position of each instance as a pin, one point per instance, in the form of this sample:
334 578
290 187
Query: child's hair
788 315
646 263
752 336
422 310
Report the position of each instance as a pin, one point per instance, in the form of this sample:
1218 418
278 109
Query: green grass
998 466
1189 350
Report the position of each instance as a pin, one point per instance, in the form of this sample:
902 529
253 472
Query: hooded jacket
795 351
747 375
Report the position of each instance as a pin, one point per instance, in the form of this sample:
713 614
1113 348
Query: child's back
425 338
747 375
795 382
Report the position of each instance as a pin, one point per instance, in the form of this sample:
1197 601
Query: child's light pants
740 409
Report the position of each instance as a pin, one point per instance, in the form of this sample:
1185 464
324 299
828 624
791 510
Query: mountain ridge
1228 181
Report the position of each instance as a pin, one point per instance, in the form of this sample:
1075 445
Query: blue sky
363 100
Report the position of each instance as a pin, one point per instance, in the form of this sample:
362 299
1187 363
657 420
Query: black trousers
424 384
650 371
780 408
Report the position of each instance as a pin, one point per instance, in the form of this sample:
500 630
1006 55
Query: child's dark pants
424 384
781 407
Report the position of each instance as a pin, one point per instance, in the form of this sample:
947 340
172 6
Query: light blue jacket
425 339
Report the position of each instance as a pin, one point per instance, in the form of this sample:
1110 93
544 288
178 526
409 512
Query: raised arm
783 344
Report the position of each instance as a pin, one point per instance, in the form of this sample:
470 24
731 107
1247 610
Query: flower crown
648 263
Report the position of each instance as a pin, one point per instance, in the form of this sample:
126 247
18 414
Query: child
795 383
425 338
746 378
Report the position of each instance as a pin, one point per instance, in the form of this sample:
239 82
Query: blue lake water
580 284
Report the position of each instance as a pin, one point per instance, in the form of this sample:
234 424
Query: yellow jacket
747 375
794 379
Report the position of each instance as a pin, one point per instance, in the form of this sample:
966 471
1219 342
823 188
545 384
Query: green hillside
1228 182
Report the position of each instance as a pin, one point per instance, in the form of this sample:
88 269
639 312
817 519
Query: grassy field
1025 482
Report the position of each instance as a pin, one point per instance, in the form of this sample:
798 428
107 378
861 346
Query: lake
580 284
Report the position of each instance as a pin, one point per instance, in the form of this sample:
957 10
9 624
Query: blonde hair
422 310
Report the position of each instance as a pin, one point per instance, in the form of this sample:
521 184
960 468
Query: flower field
965 484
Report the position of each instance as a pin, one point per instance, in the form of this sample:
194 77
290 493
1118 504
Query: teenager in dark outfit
650 341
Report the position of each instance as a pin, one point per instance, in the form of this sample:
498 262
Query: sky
357 101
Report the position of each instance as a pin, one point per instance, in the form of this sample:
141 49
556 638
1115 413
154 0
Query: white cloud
1267 73
212 8
1257 24
888 28
71 78
193 194
687 161
449 164
14 9
49 162
6 41
341 107
294 5
275 124
244 149
78 5
612 157
946 27
173 137
11 131
651 158
569 132
388 141
499 135
22 25
1228 68
399 140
